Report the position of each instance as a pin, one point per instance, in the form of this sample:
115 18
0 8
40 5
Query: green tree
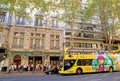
71 13
45 7
109 14
15 7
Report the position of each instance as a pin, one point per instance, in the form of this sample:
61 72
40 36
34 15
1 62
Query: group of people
25 67
29 67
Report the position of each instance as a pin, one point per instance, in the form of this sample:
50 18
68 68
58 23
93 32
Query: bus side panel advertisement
103 62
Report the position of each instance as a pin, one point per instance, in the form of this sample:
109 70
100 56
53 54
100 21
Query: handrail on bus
65 50
115 51
73 51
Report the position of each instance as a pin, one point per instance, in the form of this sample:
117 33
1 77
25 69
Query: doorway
17 60
54 60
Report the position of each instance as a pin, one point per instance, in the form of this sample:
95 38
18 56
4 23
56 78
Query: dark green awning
52 52
21 52
32 52
25 52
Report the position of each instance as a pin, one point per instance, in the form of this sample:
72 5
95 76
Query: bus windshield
68 64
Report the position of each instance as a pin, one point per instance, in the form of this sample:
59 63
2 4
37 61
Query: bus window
89 62
84 62
79 62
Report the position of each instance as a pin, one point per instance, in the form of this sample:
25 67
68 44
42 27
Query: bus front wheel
79 71
111 69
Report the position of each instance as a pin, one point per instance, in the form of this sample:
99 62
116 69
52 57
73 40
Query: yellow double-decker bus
76 63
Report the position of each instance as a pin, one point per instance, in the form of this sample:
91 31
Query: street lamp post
34 59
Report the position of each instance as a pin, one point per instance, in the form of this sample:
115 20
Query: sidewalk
22 74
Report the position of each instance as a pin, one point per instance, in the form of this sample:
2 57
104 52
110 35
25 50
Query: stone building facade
86 38
44 44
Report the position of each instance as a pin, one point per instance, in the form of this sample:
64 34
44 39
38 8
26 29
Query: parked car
52 71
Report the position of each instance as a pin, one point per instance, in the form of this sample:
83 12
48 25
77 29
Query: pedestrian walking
21 69
11 68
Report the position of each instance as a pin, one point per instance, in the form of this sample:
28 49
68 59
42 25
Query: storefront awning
52 52
32 52
26 52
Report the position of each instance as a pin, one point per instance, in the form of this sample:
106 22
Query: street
115 76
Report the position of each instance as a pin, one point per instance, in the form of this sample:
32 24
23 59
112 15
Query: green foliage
39 4
71 12
109 14
15 6
105 9
71 8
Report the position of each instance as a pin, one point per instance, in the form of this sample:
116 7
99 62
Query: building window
43 42
57 44
37 35
43 35
77 45
37 43
83 45
68 33
32 34
94 46
2 16
89 28
57 37
55 23
86 35
89 45
16 34
20 20
18 40
67 44
77 34
15 42
54 41
21 43
38 40
57 41
39 22
52 37
51 44
9 20
31 43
